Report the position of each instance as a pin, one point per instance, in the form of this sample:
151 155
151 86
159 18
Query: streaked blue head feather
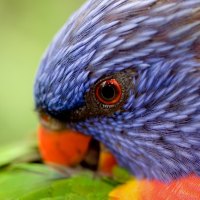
158 133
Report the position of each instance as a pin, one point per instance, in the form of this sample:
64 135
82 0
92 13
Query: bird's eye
108 92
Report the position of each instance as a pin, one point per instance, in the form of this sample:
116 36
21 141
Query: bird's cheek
65 147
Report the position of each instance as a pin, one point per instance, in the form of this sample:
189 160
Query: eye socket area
106 96
108 92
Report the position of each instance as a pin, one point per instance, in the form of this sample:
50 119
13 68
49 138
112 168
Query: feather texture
156 132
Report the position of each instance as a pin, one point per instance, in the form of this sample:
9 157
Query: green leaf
25 151
121 175
36 181
21 179
80 187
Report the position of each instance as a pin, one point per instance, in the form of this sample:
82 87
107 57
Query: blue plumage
156 132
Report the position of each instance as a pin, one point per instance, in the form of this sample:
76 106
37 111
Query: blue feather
156 133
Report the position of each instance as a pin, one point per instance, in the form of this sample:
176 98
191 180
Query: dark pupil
108 92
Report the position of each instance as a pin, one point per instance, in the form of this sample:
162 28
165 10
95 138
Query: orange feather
187 188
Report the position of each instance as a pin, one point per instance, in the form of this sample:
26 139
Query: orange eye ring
108 92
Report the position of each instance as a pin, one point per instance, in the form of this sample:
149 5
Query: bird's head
128 73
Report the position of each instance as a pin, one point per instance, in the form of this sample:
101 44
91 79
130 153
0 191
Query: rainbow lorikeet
127 73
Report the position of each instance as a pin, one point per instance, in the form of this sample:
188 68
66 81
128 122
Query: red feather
187 188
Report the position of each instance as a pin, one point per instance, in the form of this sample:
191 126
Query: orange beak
106 162
65 147
69 148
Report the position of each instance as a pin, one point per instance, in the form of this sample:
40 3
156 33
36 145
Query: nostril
51 123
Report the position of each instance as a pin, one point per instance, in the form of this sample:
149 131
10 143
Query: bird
127 73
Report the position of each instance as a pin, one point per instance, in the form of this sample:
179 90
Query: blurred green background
26 28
